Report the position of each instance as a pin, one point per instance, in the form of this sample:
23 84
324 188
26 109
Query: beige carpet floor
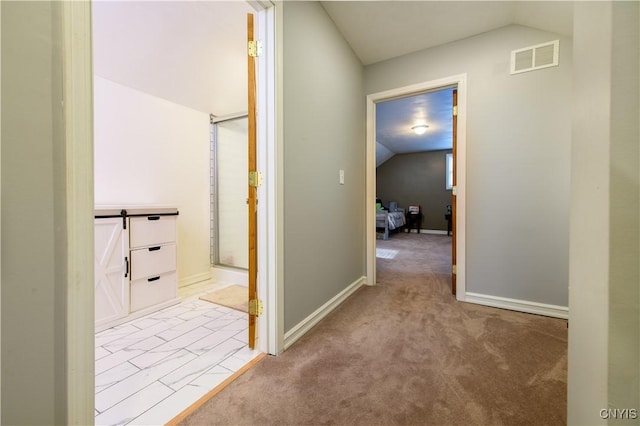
405 352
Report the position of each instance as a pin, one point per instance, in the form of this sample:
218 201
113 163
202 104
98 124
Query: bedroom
414 163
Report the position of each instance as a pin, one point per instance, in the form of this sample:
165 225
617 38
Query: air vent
535 57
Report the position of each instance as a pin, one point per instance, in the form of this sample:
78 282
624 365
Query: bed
389 220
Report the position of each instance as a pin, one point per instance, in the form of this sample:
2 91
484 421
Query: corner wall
34 281
518 148
604 334
324 124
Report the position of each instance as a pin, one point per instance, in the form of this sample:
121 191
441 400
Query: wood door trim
253 191
453 196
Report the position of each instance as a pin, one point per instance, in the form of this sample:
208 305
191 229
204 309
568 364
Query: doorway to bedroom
411 172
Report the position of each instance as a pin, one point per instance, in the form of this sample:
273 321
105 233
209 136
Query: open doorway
414 121
151 150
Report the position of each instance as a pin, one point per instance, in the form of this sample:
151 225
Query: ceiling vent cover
536 57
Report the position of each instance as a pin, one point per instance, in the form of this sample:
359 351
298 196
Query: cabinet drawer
154 260
152 230
153 290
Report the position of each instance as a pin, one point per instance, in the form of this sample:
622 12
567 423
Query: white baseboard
429 231
518 305
236 276
306 324
196 278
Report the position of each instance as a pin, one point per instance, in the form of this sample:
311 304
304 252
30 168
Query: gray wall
518 149
33 217
417 178
324 124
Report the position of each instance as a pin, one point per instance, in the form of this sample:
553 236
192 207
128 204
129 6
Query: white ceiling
381 30
190 53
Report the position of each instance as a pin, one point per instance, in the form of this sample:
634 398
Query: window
449 170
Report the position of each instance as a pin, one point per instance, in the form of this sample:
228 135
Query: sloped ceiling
190 53
381 30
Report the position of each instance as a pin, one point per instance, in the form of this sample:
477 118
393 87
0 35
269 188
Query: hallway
406 352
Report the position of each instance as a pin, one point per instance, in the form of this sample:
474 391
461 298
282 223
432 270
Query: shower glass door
229 193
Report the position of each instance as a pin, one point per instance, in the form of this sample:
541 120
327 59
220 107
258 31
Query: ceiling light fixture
420 128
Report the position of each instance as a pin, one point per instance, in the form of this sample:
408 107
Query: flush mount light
420 128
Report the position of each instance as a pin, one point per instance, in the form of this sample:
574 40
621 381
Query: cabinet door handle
126 269
154 248
153 217
153 279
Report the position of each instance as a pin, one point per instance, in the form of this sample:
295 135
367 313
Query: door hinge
255 48
255 307
454 269
454 190
255 179
455 110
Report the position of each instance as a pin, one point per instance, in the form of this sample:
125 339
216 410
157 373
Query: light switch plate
341 177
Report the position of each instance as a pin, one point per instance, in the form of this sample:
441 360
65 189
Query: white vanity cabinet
135 263
153 260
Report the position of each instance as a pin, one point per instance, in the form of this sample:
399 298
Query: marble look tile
127 387
183 328
210 341
149 358
193 369
101 352
242 336
115 333
199 311
146 322
115 359
114 375
170 407
148 343
220 323
127 410
212 377
237 325
137 337
170 312
239 359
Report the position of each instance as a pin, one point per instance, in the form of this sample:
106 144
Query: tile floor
152 368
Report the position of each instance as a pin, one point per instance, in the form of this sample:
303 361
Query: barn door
111 270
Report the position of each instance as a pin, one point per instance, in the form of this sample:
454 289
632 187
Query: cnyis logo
619 413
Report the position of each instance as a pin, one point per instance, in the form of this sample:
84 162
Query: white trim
276 185
78 121
196 278
518 305
232 275
306 324
429 231
270 326
460 81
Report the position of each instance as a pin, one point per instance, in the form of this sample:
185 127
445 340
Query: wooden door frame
460 81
